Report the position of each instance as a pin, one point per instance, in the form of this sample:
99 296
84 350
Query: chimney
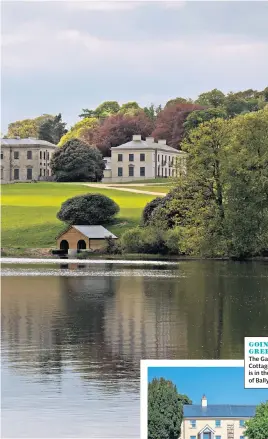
204 401
136 137
150 139
162 141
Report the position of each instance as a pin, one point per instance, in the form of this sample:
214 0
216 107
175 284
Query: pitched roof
29 141
219 411
142 144
96 232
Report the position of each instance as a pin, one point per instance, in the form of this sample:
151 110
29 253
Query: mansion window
158 158
193 423
242 437
142 172
158 171
241 423
120 157
29 173
16 155
142 157
2 156
131 171
47 155
131 157
29 155
16 174
2 173
40 155
192 437
218 423
44 155
120 172
218 437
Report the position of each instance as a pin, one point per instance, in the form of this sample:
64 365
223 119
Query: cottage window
131 157
2 156
120 157
142 172
29 155
192 437
16 155
218 423
142 157
16 174
120 172
242 437
29 173
131 171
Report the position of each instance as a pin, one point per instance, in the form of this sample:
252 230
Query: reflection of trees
103 325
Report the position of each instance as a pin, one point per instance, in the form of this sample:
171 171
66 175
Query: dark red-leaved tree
119 129
169 123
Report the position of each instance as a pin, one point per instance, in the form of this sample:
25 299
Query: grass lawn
29 211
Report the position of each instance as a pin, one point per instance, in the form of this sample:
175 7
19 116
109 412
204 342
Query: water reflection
95 325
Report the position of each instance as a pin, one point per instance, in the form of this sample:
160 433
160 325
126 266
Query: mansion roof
148 144
30 141
219 411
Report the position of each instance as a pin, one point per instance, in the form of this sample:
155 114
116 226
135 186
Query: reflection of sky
66 408
221 385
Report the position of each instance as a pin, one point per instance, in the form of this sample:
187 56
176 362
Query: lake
72 338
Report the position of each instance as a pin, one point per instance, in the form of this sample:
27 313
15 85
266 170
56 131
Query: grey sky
64 56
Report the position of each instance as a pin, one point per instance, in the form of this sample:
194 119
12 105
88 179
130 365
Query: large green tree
165 409
257 427
83 130
27 127
52 129
200 116
213 98
76 161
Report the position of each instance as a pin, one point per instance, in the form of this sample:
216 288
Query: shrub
148 210
144 240
76 161
113 246
173 241
88 209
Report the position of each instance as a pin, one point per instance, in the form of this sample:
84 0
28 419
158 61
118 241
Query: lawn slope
29 211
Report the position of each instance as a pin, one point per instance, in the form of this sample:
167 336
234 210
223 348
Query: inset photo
200 399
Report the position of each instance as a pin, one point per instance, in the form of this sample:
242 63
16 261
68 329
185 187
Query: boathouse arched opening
81 245
64 245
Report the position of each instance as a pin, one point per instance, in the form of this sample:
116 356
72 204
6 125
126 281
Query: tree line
110 124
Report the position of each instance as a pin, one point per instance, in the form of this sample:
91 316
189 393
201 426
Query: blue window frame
218 437
192 437
242 437
193 423
241 423
218 423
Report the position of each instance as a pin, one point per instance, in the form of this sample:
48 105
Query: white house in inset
143 159
205 421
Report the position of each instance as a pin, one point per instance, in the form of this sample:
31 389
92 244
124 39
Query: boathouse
78 237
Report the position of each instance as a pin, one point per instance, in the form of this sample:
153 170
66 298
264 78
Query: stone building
140 160
25 159
215 421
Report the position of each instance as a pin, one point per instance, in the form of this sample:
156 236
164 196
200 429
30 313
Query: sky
221 385
61 56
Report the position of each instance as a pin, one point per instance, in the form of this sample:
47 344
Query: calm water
72 338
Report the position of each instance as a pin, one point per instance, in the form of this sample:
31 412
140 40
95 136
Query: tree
165 409
178 101
214 98
83 130
169 124
107 108
76 161
152 111
27 127
119 129
52 129
88 209
257 427
148 210
200 116
130 108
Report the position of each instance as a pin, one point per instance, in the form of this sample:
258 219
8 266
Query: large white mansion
29 159
140 160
